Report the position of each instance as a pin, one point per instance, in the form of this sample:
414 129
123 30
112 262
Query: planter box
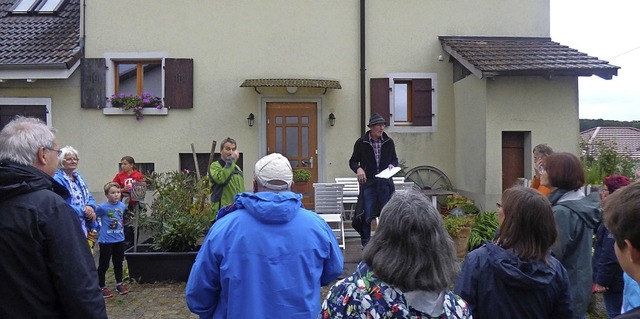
147 266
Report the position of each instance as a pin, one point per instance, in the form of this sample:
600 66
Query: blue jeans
613 303
376 193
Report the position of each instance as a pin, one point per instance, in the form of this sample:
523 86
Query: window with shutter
407 101
149 74
30 107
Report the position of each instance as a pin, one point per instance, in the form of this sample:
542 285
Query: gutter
363 89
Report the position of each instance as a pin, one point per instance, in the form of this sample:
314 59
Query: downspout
363 98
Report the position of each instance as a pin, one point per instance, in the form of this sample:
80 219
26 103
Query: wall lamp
332 119
251 119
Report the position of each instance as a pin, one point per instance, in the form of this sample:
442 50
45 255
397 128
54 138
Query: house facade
271 74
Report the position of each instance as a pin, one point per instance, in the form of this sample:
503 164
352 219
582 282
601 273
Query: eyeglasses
53 149
71 159
499 205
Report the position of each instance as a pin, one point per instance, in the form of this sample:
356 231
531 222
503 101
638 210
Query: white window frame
112 57
404 128
29 101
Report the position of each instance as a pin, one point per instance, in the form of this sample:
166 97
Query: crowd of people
265 255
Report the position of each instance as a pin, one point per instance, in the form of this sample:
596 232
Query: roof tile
495 56
40 39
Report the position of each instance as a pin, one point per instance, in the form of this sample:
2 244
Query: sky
610 31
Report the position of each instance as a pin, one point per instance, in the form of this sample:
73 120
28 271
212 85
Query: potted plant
301 185
136 103
484 228
301 175
178 220
459 228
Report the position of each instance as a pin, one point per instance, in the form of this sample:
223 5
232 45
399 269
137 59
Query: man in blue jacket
265 256
46 266
372 153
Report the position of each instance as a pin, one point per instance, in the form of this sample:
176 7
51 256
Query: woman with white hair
406 269
81 199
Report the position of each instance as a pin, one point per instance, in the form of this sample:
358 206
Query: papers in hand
388 172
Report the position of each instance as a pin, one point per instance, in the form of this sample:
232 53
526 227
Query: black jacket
46 265
364 157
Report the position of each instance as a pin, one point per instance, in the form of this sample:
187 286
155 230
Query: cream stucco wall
231 41
545 109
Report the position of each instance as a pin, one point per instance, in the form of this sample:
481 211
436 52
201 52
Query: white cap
271 168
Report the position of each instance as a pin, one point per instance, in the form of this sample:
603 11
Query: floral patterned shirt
364 295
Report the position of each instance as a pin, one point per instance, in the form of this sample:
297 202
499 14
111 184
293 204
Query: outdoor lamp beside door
332 119
250 119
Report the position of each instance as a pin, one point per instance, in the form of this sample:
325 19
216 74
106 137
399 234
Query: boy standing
622 218
111 238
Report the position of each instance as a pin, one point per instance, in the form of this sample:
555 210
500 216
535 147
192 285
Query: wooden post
212 154
195 160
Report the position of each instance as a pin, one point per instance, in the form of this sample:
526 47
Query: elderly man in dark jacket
373 153
46 266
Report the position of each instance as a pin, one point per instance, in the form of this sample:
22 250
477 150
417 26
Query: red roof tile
518 56
626 139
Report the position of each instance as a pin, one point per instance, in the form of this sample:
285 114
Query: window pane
400 102
292 142
278 139
152 79
294 164
292 120
24 6
305 120
50 5
305 144
127 74
278 119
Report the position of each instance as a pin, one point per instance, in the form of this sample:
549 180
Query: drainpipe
363 98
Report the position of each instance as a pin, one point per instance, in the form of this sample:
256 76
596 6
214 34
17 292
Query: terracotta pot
461 241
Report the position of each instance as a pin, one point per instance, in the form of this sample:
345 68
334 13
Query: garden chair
350 194
328 204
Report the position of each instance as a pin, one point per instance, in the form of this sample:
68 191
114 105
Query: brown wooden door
292 132
512 158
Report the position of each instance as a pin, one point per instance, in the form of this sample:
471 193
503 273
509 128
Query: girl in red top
128 174
125 178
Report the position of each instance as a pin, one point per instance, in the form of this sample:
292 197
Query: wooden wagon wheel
428 177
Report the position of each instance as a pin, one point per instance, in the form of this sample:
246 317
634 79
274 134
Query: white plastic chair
328 204
350 194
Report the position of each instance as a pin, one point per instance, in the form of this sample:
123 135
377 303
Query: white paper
388 172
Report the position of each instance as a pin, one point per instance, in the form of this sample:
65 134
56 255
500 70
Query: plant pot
306 189
146 266
461 241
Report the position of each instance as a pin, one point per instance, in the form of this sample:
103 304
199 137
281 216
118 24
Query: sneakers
106 293
122 290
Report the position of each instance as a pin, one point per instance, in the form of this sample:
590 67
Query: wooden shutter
92 84
178 83
422 102
380 98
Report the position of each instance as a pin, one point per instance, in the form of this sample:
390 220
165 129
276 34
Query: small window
136 77
37 6
402 112
29 107
407 101
49 6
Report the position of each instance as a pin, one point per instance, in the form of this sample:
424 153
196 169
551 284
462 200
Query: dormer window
37 6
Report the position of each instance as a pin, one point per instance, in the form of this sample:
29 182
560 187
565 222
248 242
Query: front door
292 132
512 158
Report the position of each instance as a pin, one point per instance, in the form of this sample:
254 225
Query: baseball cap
273 167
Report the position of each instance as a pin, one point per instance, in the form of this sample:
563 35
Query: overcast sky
610 31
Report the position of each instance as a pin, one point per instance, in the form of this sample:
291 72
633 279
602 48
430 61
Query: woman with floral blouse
406 271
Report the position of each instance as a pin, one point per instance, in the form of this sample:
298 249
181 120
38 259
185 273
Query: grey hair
21 138
411 248
64 152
